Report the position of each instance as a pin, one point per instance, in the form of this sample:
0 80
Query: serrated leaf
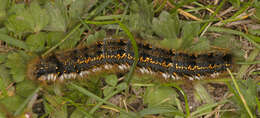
39 16
17 24
36 42
17 63
160 95
58 18
31 19
166 26
13 41
111 80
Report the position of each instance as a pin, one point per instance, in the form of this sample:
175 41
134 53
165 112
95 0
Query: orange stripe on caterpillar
116 55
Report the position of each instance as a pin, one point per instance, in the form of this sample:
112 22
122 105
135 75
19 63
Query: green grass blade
106 98
185 98
244 68
258 104
64 39
212 16
249 62
225 30
133 42
205 108
240 94
86 92
23 105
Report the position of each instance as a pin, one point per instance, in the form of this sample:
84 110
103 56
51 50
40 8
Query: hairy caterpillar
116 55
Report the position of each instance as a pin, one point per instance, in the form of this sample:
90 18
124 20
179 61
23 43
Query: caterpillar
116 55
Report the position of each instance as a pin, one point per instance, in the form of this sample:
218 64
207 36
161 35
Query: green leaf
189 32
58 18
108 90
141 16
72 41
22 106
13 41
248 89
121 86
202 45
223 41
86 92
18 24
35 42
25 88
17 63
12 102
39 17
3 57
3 86
3 14
31 19
228 42
166 26
230 114
61 112
111 80
53 38
203 94
160 110
5 77
171 43
4 72
97 36
77 114
160 95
